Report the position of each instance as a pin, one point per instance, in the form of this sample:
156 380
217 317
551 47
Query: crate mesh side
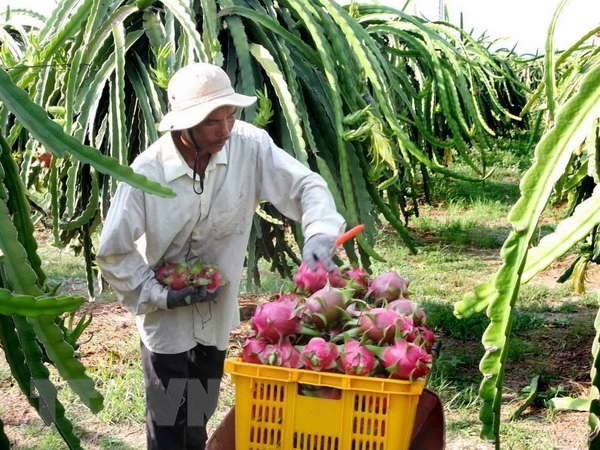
271 413
307 441
266 415
369 421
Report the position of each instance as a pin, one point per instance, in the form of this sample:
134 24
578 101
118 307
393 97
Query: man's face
212 133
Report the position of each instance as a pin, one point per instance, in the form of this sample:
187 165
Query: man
220 168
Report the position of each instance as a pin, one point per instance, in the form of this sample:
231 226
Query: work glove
190 295
319 247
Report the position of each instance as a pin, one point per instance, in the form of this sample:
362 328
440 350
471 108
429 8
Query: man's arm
301 195
121 263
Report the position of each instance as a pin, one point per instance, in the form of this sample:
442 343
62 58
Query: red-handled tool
352 232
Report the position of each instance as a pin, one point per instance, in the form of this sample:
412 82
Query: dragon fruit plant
178 275
343 321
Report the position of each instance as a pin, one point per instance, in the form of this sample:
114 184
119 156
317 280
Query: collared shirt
142 230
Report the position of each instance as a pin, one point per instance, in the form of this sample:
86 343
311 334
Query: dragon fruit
277 320
319 355
382 325
387 287
214 276
44 157
283 354
253 348
205 275
179 275
173 275
358 281
408 308
405 360
381 334
354 310
309 281
356 360
325 307
164 271
422 336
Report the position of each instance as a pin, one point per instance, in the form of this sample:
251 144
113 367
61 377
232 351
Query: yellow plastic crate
273 410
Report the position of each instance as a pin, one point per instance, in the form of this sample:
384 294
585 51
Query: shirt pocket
229 215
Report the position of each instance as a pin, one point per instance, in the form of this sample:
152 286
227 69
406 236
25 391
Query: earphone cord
196 165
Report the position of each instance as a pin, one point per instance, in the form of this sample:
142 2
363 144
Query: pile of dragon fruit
343 321
178 275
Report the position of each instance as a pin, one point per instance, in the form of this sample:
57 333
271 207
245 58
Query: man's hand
190 295
319 247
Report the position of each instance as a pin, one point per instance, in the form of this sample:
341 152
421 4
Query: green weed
456 366
441 317
581 327
123 395
518 348
112 443
47 438
503 192
462 424
521 435
61 264
270 282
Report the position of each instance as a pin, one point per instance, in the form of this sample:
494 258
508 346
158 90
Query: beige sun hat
194 92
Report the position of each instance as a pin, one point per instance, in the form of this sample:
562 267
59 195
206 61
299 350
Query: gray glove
319 247
190 295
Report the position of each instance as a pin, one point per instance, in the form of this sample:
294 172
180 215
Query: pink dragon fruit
283 355
206 275
408 308
253 348
383 325
215 277
358 281
276 320
422 336
308 281
325 307
354 310
387 287
173 275
405 360
356 360
164 271
319 355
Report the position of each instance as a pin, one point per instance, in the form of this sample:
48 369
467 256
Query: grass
123 393
458 247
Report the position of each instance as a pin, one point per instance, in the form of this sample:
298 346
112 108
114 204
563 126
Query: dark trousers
182 390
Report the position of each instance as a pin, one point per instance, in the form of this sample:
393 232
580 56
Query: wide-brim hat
195 91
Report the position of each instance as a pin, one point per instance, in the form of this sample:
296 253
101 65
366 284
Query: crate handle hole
311 390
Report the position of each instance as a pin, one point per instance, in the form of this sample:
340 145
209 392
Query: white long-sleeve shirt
142 230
